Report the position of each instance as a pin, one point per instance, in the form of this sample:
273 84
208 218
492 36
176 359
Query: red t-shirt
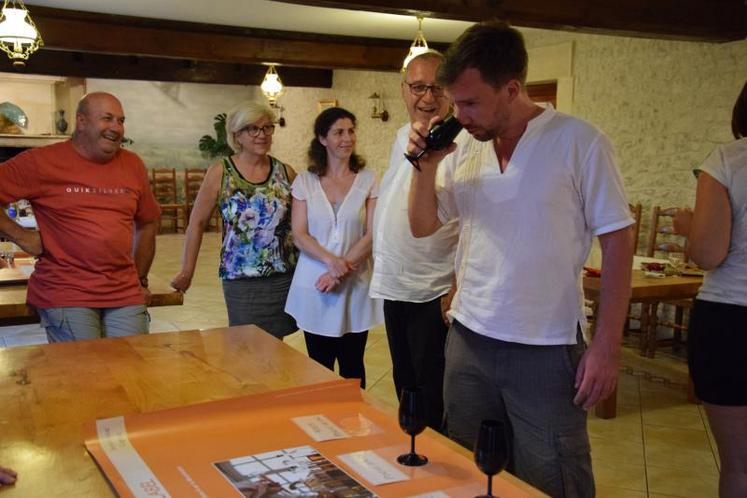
86 213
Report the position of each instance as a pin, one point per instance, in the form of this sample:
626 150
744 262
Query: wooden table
48 391
15 311
646 291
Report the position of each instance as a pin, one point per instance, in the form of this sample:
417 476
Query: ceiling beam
76 31
133 67
694 20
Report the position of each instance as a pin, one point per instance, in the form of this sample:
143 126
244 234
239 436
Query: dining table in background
13 287
647 291
48 392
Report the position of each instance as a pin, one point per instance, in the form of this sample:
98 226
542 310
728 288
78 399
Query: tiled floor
658 446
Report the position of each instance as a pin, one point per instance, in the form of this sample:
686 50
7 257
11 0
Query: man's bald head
99 126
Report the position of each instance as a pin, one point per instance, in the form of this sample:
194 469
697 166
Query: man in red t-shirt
97 221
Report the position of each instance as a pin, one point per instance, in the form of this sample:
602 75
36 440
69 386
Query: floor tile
617 475
613 492
686 483
617 451
23 335
709 432
683 449
626 426
669 408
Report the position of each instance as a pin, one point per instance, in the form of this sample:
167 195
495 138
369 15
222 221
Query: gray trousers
75 323
530 387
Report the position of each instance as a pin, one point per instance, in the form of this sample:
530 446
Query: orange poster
315 441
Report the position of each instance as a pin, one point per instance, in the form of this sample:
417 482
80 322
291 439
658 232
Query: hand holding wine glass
491 451
412 420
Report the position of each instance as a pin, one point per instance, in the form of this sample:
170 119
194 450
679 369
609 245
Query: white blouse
348 308
727 283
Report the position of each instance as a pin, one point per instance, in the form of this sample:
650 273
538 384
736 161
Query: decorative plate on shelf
12 119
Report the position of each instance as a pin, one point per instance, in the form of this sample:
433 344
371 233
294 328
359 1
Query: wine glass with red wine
491 451
412 420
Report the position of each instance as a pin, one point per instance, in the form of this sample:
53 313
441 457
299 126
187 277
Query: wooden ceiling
695 20
113 46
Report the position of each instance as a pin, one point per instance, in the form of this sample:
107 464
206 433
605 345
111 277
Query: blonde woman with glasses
252 192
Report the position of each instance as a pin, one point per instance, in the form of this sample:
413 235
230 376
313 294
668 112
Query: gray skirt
260 301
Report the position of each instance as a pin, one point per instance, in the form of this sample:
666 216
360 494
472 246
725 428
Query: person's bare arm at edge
199 220
422 208
597 372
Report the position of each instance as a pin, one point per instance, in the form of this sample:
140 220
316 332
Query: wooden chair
163 182
635 211
662 242
193 178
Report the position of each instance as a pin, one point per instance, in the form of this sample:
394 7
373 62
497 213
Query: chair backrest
662 238
163 181
635 211
193 178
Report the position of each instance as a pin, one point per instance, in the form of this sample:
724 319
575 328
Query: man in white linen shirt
414 276
530 188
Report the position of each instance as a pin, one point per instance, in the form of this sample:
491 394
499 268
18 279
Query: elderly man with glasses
414 276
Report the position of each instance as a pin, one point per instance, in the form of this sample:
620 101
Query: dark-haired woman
333 206
717 338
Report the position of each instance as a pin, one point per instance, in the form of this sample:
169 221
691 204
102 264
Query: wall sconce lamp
19 37
272 87
279 119
419 45
378 111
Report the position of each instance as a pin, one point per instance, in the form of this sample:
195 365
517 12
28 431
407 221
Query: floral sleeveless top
257 239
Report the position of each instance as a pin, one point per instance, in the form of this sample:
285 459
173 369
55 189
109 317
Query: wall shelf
25 141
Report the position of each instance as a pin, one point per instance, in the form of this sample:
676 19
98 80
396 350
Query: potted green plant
218 146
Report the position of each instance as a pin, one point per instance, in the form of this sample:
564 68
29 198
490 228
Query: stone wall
665 105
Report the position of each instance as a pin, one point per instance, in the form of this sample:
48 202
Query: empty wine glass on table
491 451
412 420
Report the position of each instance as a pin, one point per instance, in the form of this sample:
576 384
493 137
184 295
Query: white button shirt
526 231
406 268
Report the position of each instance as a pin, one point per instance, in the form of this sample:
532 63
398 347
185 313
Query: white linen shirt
348 308
406 268
525 233
727 283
